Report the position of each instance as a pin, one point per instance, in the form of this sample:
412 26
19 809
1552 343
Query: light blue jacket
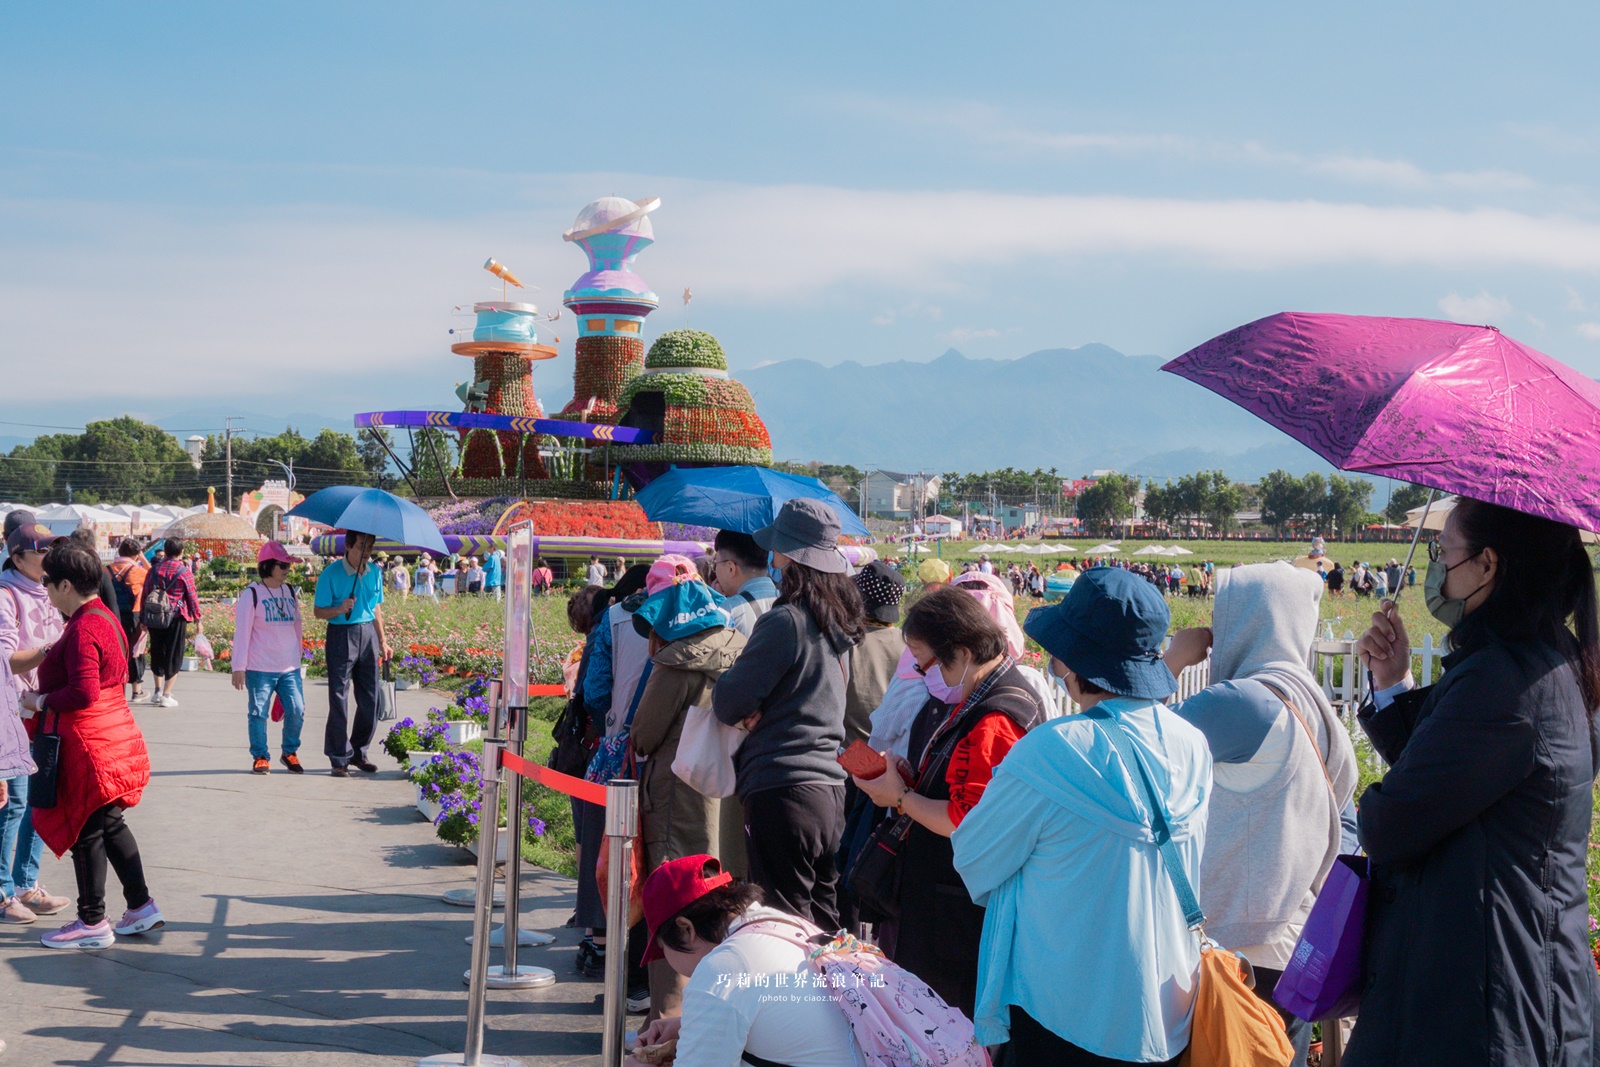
1083 930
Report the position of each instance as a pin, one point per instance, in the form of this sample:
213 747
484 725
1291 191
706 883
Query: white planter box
501 841
191 663
405 683
461 731
417 759
429 808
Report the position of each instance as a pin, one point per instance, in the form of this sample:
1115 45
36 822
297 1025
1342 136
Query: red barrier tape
593 792
547 690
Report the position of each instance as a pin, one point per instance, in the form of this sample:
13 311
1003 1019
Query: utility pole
227 436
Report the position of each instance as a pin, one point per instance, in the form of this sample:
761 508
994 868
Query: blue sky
275 207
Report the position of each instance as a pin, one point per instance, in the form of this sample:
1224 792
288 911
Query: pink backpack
897 1020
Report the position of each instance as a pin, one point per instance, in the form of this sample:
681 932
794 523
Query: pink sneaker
77 935
41 902
140 920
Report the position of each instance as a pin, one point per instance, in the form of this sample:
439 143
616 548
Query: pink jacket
27 620
267 629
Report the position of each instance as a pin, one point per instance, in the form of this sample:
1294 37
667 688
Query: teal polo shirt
338 581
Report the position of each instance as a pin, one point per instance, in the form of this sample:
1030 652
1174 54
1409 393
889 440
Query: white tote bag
705 753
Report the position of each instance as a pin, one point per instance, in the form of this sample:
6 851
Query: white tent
1103 550
1441 511
1176 550
1151 550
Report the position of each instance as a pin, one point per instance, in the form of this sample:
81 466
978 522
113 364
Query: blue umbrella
736 498
372 511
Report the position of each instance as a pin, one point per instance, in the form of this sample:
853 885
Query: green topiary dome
687 349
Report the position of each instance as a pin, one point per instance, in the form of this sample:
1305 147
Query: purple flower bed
678 531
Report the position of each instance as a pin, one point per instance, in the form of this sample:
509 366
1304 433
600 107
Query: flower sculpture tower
701 417
504 346
610 303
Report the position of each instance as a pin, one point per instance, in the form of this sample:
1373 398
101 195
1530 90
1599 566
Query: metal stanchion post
508 975
468 898
622 826
477 991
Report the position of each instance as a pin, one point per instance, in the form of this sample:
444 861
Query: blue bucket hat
1108 630
680 611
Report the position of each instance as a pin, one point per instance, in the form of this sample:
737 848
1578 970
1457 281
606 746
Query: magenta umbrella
1462 409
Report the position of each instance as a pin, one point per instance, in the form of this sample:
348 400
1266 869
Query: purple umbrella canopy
1463 409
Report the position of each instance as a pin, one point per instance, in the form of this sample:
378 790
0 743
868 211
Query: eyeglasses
1435 550
924 668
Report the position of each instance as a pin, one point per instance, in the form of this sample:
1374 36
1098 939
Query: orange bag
635 877
1232 1026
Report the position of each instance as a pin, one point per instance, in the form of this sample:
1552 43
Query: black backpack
159 611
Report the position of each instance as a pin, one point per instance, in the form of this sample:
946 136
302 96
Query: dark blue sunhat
1108 630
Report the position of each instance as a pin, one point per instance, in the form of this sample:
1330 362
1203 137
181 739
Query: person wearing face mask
104 765
1063 851
350 598
1477 945
29 626
980 708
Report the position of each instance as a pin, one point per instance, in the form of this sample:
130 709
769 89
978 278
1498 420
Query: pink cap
274 551
669 570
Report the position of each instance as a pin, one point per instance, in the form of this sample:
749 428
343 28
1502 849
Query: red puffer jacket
103 756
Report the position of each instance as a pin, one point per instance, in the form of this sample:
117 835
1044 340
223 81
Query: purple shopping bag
1323 979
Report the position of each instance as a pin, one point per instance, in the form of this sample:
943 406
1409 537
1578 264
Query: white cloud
982 124
1482 309
885 318
1589 331
963 333
1575 300
325 295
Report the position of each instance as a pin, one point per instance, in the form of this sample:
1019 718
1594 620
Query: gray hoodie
1277 796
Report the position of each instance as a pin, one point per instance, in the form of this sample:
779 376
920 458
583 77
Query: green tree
1223 500
1347 502
1108 501
114 459
1281 496
1403 499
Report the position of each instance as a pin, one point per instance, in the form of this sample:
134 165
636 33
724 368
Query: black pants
166 649
130 630
791 838
1032 1044
352 657
590 820
1295 1028
106 837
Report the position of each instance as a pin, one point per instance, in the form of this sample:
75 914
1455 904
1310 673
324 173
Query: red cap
672 887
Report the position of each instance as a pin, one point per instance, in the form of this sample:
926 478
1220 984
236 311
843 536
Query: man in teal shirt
494 573
350 599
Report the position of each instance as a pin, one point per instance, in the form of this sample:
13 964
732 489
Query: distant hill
1074 409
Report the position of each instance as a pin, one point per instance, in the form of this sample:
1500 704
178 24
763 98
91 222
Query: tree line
124 460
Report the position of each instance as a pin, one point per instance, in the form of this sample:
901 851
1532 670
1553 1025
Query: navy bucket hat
1108 630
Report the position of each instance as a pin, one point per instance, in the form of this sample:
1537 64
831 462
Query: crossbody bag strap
1322 761
1158 820
638 691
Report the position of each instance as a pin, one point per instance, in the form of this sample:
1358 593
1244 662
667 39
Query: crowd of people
898 773
1026 843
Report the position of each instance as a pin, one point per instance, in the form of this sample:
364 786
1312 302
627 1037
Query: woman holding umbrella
1477 931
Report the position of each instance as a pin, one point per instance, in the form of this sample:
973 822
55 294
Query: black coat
940 927
1477 924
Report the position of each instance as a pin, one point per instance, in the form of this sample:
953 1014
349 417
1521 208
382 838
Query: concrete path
304 922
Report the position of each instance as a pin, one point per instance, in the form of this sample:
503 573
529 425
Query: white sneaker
169 701
155 699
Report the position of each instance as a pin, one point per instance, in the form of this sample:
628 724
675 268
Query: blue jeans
20 847
260 686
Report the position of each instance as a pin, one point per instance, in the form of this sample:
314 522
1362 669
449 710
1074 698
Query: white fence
1334 661
1345 680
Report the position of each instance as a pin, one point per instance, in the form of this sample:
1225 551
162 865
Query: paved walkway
304 922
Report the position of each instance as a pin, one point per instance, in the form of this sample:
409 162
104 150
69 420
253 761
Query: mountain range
1074 409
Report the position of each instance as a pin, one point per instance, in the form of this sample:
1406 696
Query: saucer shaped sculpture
610 303
700 415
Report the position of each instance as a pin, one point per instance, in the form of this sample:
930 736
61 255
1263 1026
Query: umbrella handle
1372 686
